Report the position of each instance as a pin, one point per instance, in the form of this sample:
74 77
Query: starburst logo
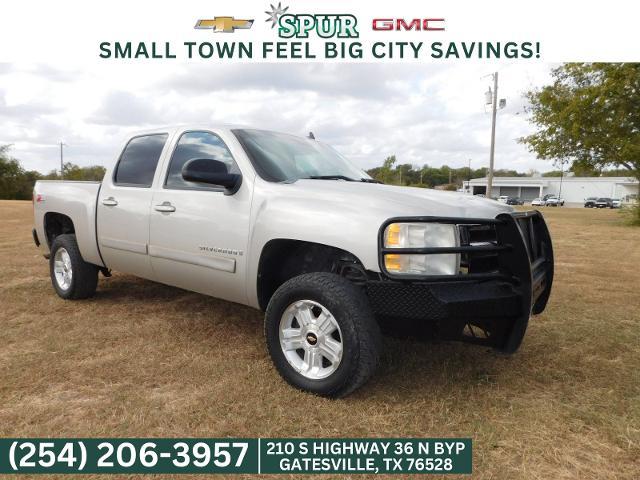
275 13
300 25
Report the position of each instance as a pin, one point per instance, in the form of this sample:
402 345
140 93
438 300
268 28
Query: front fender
339 226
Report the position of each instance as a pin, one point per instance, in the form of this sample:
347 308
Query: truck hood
394 201
348 215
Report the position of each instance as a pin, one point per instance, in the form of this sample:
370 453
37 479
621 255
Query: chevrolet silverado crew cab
286 225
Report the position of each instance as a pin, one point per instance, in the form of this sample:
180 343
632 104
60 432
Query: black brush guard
489 307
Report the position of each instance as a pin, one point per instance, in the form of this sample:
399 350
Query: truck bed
75 200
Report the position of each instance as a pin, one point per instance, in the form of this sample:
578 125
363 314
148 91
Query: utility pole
494 108
469 178
561 176
61 162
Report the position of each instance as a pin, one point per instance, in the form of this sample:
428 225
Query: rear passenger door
124 203
198 235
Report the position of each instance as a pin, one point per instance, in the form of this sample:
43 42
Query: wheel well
283 259
57 224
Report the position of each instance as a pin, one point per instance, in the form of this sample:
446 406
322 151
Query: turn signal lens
393 263
392 236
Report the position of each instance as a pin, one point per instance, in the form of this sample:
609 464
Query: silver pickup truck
286 225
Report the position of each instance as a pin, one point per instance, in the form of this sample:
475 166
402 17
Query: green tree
581 170
404 173
17 184
429 177
590 116
10 174
75 172
385 172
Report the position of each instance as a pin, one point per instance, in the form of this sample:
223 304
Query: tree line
16 183
454 178
429 177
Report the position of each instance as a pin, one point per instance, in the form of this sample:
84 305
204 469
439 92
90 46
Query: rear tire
71 276
322 335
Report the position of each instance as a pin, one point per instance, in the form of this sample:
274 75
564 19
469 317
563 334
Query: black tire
360 333
84 278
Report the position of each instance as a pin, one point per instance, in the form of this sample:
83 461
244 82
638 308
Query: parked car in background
554 202
538 202
590 202
514 201
604 202
616 203
503 198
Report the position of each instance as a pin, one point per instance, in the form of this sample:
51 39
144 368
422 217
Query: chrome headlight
421 235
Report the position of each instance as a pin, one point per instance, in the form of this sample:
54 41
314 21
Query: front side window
279 157
197 145
139 159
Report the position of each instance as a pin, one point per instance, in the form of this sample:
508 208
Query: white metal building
574 189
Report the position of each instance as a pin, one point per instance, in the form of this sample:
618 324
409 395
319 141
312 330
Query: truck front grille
490 248
478 261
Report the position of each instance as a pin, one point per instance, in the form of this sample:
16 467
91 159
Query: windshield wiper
330 177
342 177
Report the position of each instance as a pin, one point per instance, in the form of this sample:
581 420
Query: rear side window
139 160
194 145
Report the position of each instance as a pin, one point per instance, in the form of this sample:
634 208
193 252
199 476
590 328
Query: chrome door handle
109 202
165 207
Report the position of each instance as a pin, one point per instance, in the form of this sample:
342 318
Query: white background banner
70 32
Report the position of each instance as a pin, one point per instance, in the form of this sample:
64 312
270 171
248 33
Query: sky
424 114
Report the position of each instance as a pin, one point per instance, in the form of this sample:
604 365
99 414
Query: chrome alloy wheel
311 339
62 268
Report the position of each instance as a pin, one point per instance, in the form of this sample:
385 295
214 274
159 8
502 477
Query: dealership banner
237 455
327 31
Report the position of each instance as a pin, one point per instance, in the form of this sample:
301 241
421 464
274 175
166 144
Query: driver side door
198 235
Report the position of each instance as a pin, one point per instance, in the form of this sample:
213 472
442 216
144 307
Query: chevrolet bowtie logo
223 24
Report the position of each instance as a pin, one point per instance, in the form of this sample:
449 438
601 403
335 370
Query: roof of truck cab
189 126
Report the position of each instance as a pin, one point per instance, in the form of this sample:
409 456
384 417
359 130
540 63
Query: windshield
279 157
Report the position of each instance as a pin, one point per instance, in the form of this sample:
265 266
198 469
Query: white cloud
125 109
430 114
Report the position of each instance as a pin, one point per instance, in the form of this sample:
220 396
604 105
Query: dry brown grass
142 359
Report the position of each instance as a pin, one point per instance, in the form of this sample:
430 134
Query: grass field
142 359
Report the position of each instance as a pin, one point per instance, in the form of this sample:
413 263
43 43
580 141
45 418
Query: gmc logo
418 24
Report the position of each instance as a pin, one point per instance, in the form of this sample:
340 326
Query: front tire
71 276
321 334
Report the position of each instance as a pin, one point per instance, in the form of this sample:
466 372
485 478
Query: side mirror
214 172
